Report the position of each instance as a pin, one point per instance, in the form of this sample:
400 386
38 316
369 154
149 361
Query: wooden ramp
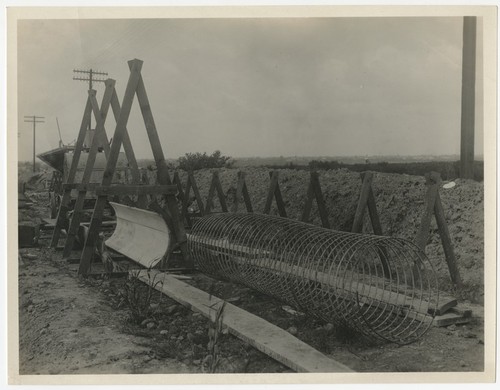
266 337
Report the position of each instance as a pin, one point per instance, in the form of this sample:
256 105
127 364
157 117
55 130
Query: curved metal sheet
141 235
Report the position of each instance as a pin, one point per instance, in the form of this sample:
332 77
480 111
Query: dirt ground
69 325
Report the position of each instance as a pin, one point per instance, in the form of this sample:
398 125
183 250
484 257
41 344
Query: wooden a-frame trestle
110 98
135 87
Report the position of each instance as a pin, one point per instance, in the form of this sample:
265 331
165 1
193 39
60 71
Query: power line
34 119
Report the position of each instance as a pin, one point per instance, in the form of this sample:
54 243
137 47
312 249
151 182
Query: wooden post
314 192
177 182
66 196
274 192
242 191
366 190
215 186
367 199
191 183
372 208
468 98
142 200
434 206
161 164
432 181
447 244
99 136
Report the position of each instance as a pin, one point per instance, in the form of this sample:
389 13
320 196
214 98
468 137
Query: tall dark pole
34 119
468 98
91 72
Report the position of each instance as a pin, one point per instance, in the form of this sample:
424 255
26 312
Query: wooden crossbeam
274 192
135 88
242 191
433 206
215 186
314 192
81 186
191 184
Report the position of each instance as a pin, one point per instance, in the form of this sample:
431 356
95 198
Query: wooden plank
447 243
357 225
372 210
100 135
127 147
323 214
314 192
432 181
64 206
306 213
185 200
177 182
445 304
161 164
275 192
147 115
220 192
81 186
374 219
196 192
266 337
242 191
453 317
246 195
215 186
140 189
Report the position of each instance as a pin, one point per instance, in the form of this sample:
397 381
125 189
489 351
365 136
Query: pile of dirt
400 202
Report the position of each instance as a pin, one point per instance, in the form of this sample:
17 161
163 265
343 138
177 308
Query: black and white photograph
307 192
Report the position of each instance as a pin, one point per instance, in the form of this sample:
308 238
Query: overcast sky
255 87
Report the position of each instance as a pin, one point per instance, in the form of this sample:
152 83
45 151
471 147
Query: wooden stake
314 192
434 206
432 181
242 191
177 182
64 206
274 192
191 184
215 186
367 199
99 137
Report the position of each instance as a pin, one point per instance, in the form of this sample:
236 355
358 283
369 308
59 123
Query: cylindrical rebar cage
383 287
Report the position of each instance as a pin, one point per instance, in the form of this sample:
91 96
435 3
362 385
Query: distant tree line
449 170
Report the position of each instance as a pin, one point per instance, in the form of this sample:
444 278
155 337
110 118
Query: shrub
195 161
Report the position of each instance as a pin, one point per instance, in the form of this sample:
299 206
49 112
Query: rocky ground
73 326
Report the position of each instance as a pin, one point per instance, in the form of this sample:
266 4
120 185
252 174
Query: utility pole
34 119
90 78
468 98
